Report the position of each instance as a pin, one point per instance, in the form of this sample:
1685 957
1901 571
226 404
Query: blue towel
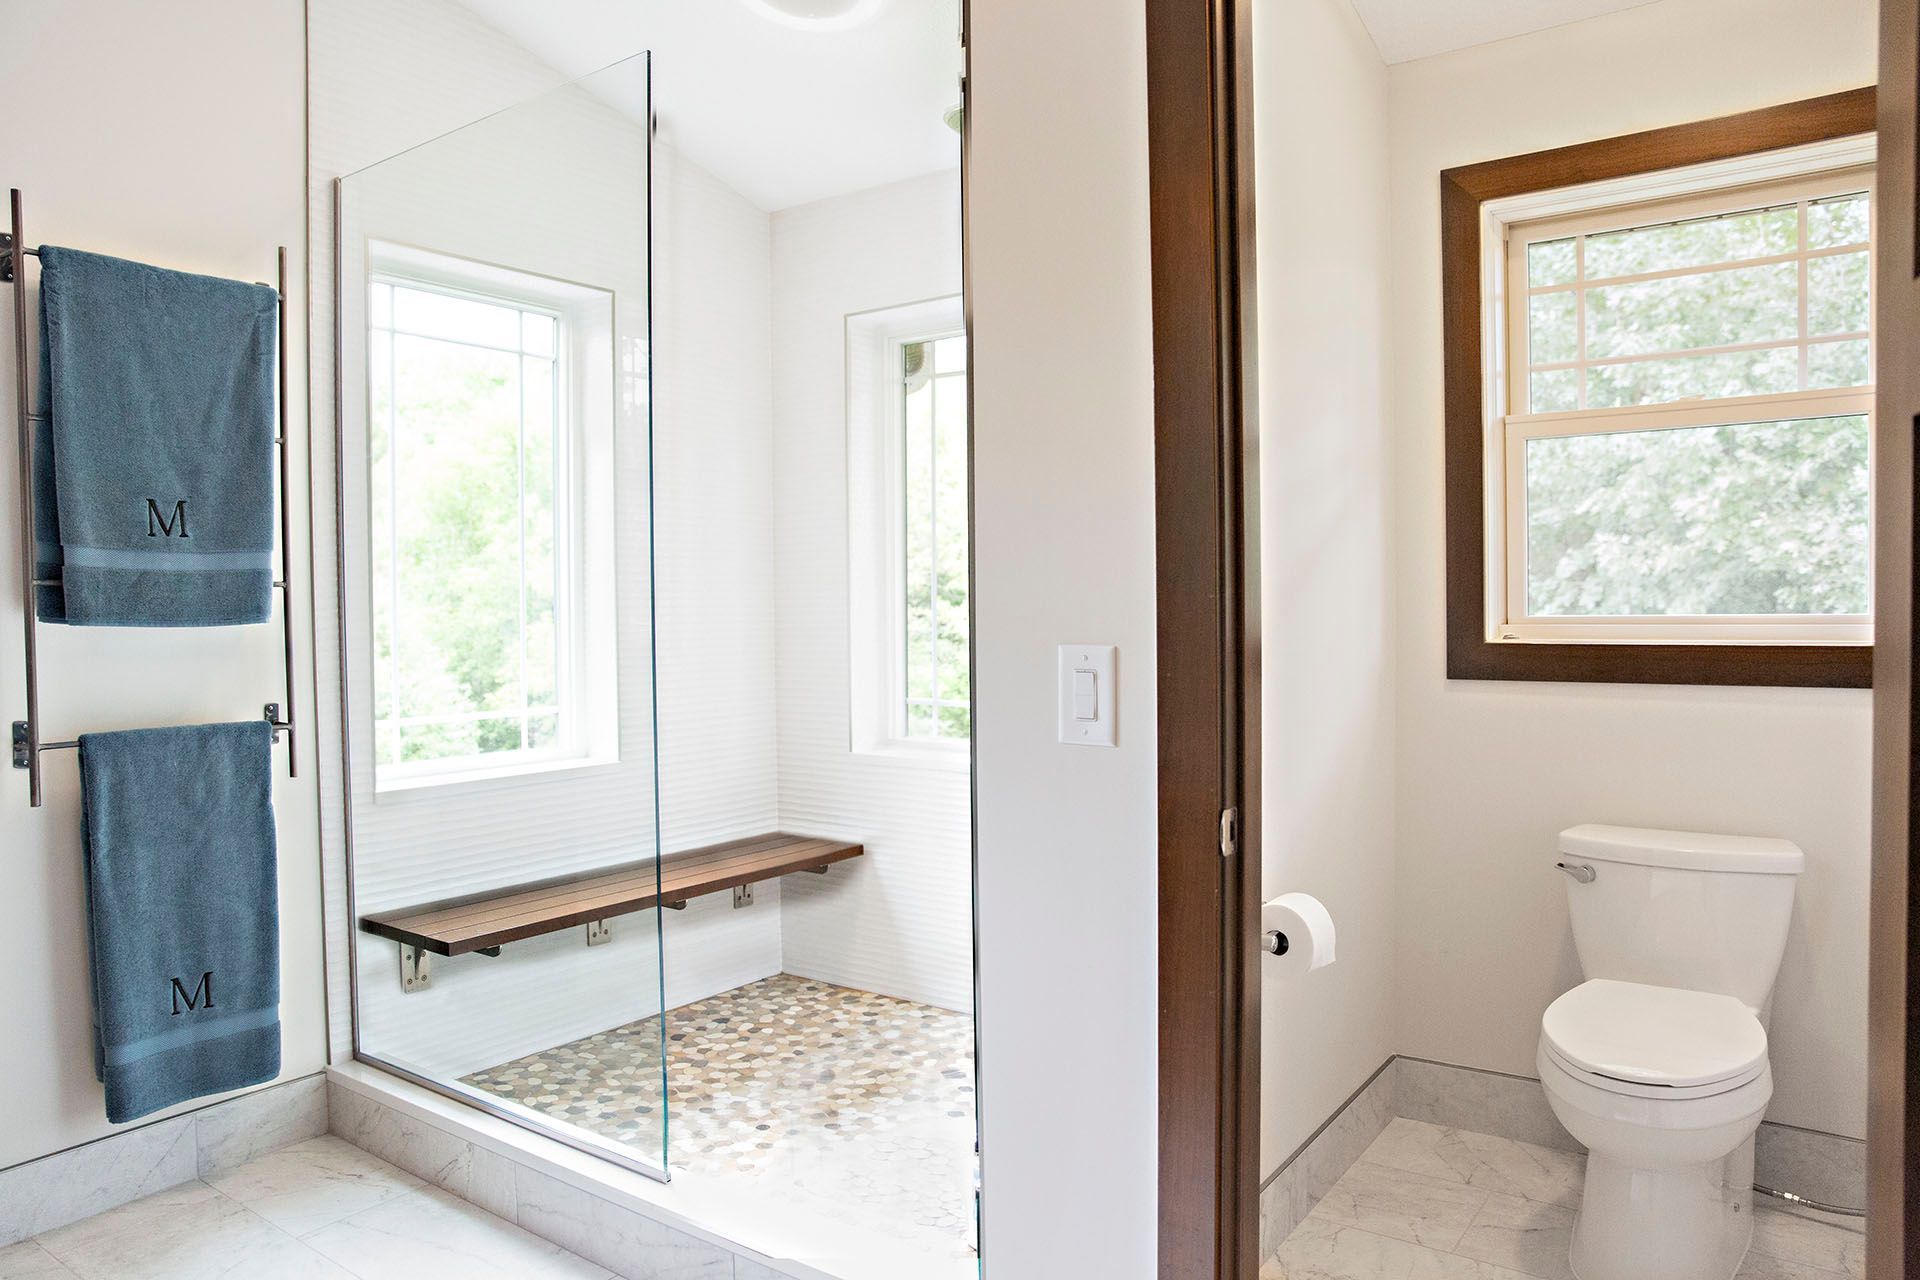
153 478
183 921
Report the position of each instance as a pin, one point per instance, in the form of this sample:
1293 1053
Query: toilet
1657 1062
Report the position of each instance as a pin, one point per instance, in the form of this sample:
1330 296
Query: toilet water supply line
1791 1198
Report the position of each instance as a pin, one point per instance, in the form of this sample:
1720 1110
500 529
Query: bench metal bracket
742 896
416 969
599 931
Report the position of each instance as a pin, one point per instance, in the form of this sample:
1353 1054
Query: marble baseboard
1483 1101
1292 1192
77 1183
612 1235
1819 1166
1822 1166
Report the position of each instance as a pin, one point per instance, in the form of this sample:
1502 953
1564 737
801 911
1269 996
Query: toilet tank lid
1686 850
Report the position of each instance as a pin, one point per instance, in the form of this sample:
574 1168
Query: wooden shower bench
483 922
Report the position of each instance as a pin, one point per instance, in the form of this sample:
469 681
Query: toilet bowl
1657 1062
1665 1088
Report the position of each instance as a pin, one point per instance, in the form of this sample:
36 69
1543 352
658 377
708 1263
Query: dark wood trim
1470 655
1893 952
1206 476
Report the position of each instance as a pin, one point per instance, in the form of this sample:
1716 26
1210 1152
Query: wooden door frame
1893 996
1206 507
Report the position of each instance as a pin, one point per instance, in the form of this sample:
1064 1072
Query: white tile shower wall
1320 101
124 1166
715 601
898 921
381 77
1489 772
137 148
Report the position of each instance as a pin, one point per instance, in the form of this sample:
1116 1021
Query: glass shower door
494 310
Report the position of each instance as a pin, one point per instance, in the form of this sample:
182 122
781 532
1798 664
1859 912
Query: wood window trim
1463 191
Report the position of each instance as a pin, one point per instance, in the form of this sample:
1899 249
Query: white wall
1320 101
129 142
1062 379
899 920
557 186
1489 772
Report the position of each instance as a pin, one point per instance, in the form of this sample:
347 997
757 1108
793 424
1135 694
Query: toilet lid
1655 1035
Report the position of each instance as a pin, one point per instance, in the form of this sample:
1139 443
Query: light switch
1086 701
1087 695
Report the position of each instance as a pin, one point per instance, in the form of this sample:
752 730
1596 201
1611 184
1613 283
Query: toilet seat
1654 1042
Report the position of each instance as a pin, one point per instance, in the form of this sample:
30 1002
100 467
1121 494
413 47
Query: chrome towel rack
27 743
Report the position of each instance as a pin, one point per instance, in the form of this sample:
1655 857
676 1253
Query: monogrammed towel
153 477
183 923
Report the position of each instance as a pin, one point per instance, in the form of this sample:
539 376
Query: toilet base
1692 1222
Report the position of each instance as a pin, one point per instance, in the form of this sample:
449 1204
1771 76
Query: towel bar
26 741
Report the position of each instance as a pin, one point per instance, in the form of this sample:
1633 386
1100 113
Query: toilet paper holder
1275 943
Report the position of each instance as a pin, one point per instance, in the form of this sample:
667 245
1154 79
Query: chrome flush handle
1580 871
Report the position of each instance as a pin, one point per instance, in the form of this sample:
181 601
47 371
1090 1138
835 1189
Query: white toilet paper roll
1308 930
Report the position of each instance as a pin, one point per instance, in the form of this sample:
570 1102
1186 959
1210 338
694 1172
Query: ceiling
783 115
1407 29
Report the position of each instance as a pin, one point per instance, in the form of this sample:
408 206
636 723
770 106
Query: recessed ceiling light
816 15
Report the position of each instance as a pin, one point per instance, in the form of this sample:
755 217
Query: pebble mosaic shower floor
860 1104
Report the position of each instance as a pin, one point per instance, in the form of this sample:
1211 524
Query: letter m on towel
203 988
159 526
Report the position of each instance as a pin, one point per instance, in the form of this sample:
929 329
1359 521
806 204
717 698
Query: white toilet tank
1681 909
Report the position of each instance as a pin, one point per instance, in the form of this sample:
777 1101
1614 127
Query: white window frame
1509 226
876 523
585 606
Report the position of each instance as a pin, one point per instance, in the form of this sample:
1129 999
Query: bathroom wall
1320 101
1489 772
900 920
127 141
1063 553
715 604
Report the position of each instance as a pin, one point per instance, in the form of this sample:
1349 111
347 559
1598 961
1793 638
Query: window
1689 459
1674 426
908 459
933 510
486 634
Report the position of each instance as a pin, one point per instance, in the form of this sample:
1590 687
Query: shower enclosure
654 476
493 289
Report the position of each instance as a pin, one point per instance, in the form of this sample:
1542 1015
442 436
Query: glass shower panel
494 310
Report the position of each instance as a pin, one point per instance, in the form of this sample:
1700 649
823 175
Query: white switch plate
1097 660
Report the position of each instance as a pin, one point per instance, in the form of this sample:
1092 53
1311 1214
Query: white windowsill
946 757
427 786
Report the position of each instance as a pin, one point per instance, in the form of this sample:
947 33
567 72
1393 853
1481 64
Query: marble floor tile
28 1261
190 1232
1759 1266
1321 1249
1529 1236
314 1184
431 1233
1814 1240
1480 1160
1397 1215
1406 1206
